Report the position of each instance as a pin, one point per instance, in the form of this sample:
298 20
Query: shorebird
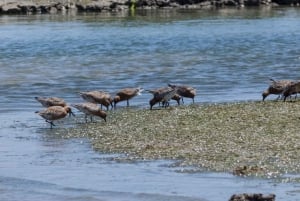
90 109
53 113
98 97
291 89
277 87
176 97
185 91
126 94
164 95
51 101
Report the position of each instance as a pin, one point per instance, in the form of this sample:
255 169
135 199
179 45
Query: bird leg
51 123
85 117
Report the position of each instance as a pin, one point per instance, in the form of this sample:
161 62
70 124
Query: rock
252 197
62 6
29 8
11 8
163 3
53 10
252 2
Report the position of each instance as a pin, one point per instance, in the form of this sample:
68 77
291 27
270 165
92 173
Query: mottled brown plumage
53 113
185 91
51 101
90 109
276 87
163 95
291 89
126 94
158 96
98 97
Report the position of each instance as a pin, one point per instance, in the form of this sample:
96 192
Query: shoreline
117 6
247 138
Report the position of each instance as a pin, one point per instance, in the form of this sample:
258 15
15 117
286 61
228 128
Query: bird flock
57 108
282 88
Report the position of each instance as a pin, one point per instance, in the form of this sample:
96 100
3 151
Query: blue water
227 55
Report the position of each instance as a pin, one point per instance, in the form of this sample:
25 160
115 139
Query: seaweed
246 138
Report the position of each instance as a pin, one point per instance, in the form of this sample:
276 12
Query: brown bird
99 97
276 87
185 91
159 91
164 95
51 101
126 94
90 109
293 88
53 113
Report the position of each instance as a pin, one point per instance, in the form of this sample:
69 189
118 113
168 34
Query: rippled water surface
227 55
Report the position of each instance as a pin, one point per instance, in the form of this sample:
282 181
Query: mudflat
245 138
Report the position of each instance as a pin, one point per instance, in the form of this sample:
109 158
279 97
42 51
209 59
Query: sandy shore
255 138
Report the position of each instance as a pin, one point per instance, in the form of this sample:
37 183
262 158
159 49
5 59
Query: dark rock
286 2
252 2
29 8
49 8
11 8
144 3
44 9
98 6
206 5
252 197
163 3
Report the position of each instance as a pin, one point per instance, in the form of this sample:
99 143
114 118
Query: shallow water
227 55
39 164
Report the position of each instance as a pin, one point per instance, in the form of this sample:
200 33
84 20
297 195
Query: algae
245 138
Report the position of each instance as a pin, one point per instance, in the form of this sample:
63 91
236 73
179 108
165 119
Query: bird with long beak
99 97
90 109
158 96
52 101
126 94
185 91
53 113
163 95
